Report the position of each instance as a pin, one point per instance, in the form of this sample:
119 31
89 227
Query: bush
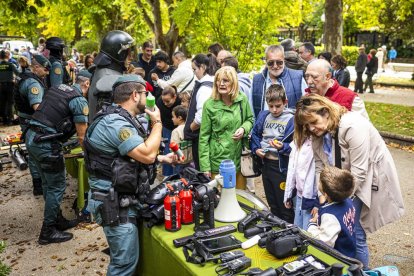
350 53
4 269
86 46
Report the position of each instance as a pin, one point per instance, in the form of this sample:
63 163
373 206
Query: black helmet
116 45
55 43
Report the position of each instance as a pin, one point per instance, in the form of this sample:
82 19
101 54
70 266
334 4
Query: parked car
18 44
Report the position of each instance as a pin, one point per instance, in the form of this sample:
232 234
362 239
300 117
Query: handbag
250 164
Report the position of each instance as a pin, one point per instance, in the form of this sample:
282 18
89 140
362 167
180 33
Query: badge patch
34 90
85 110
124 134
282 185
58 71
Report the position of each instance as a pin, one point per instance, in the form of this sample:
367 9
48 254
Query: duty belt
123 217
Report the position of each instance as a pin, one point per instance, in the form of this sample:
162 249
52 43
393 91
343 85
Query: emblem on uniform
58 71
34 90
124 134
282 185
85 110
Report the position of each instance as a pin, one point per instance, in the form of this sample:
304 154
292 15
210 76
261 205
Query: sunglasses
271 63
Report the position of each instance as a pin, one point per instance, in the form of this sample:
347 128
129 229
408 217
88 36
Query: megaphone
228 209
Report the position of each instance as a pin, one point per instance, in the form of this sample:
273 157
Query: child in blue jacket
335 223
270 138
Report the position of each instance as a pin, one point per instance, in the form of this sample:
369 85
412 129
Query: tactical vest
22 102
54 110
6 71
128 176
192 110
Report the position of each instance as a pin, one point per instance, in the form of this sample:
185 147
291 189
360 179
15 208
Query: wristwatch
155 122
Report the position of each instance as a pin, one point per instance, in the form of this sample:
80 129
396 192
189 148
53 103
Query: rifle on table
287 229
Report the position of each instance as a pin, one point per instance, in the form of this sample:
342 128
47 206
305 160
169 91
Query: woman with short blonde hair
228 73
226 119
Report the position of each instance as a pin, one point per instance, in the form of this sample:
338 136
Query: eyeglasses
225 81
314 77
271 63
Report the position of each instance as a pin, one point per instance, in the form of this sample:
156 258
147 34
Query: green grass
392 118
391 81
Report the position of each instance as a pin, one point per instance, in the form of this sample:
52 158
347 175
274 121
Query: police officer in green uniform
82 83
117 154
7 72
58 73
28 94
62 113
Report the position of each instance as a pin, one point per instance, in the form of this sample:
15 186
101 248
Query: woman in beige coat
378 200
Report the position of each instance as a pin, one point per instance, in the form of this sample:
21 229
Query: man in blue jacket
276 73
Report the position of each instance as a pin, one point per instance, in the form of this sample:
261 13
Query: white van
18 44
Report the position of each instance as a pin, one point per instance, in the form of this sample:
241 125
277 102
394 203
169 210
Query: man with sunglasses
28 94
276 73
118 156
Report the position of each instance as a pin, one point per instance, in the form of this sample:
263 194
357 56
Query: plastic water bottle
228 171
150 104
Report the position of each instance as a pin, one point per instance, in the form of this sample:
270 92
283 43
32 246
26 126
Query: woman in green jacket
226 119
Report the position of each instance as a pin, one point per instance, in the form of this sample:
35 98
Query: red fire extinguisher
186 199
172 211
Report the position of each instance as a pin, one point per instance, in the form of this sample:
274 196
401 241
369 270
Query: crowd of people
325 166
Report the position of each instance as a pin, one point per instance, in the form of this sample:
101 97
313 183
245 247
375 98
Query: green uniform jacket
218 124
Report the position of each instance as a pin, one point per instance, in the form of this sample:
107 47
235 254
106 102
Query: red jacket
340 95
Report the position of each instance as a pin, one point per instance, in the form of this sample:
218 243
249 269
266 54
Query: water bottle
150 104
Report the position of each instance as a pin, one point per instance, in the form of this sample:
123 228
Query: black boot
37 187
49 234
63 224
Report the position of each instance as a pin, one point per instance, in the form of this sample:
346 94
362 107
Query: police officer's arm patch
34 90
58 71
85 110
124 134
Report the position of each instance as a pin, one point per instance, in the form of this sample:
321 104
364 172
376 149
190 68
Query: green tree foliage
4 269
398 19
87 46
245 27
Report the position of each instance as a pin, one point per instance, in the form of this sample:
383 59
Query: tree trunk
78 31
333 29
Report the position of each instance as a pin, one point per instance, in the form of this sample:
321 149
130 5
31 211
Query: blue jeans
167 170
124 247
361 238
302 217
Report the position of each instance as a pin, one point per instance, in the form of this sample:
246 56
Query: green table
76 168
158 256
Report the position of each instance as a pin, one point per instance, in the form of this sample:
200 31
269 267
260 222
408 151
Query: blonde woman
378 200
226 119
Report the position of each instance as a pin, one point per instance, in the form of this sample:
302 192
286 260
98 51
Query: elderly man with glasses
276 73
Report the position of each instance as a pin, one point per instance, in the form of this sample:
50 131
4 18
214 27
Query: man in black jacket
360 65
372 69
